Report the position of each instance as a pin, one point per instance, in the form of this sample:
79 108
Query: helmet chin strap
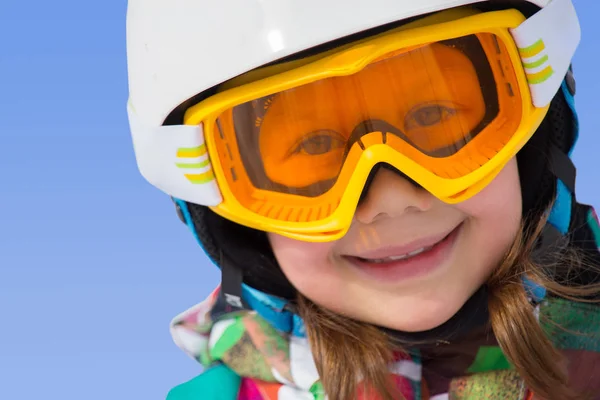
472 315
230 297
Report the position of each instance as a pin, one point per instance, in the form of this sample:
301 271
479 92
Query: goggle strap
547 42
174 159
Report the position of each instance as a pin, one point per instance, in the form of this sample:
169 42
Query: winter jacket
246 357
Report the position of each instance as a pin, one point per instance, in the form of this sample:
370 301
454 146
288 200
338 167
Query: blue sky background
93 261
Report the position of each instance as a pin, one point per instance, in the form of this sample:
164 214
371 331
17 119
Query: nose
390 195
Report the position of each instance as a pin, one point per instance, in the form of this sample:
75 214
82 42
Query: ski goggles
447 100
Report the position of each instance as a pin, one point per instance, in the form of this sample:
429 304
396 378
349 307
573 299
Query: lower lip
413 267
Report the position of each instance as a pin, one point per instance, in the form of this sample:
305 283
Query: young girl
387 189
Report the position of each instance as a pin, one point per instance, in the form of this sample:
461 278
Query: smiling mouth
390 265
400 257
408 254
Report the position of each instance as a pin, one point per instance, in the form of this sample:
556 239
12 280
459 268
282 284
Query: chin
419 319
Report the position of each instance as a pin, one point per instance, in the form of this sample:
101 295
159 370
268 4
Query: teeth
414 253
397 258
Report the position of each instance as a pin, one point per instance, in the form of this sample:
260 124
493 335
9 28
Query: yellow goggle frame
348 60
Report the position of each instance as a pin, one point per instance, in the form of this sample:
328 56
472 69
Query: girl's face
409 261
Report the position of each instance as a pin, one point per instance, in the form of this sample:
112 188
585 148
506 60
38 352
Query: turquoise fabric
216 383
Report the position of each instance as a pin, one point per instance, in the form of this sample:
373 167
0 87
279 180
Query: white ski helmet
179 48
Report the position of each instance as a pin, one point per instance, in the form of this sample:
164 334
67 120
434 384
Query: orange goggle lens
449 106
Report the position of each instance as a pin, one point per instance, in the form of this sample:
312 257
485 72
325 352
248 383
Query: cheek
305 264
500 199
495 219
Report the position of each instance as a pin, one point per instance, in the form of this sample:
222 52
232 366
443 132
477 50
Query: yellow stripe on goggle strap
533 50
191 152
540 77
536 63
202 164
201 178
